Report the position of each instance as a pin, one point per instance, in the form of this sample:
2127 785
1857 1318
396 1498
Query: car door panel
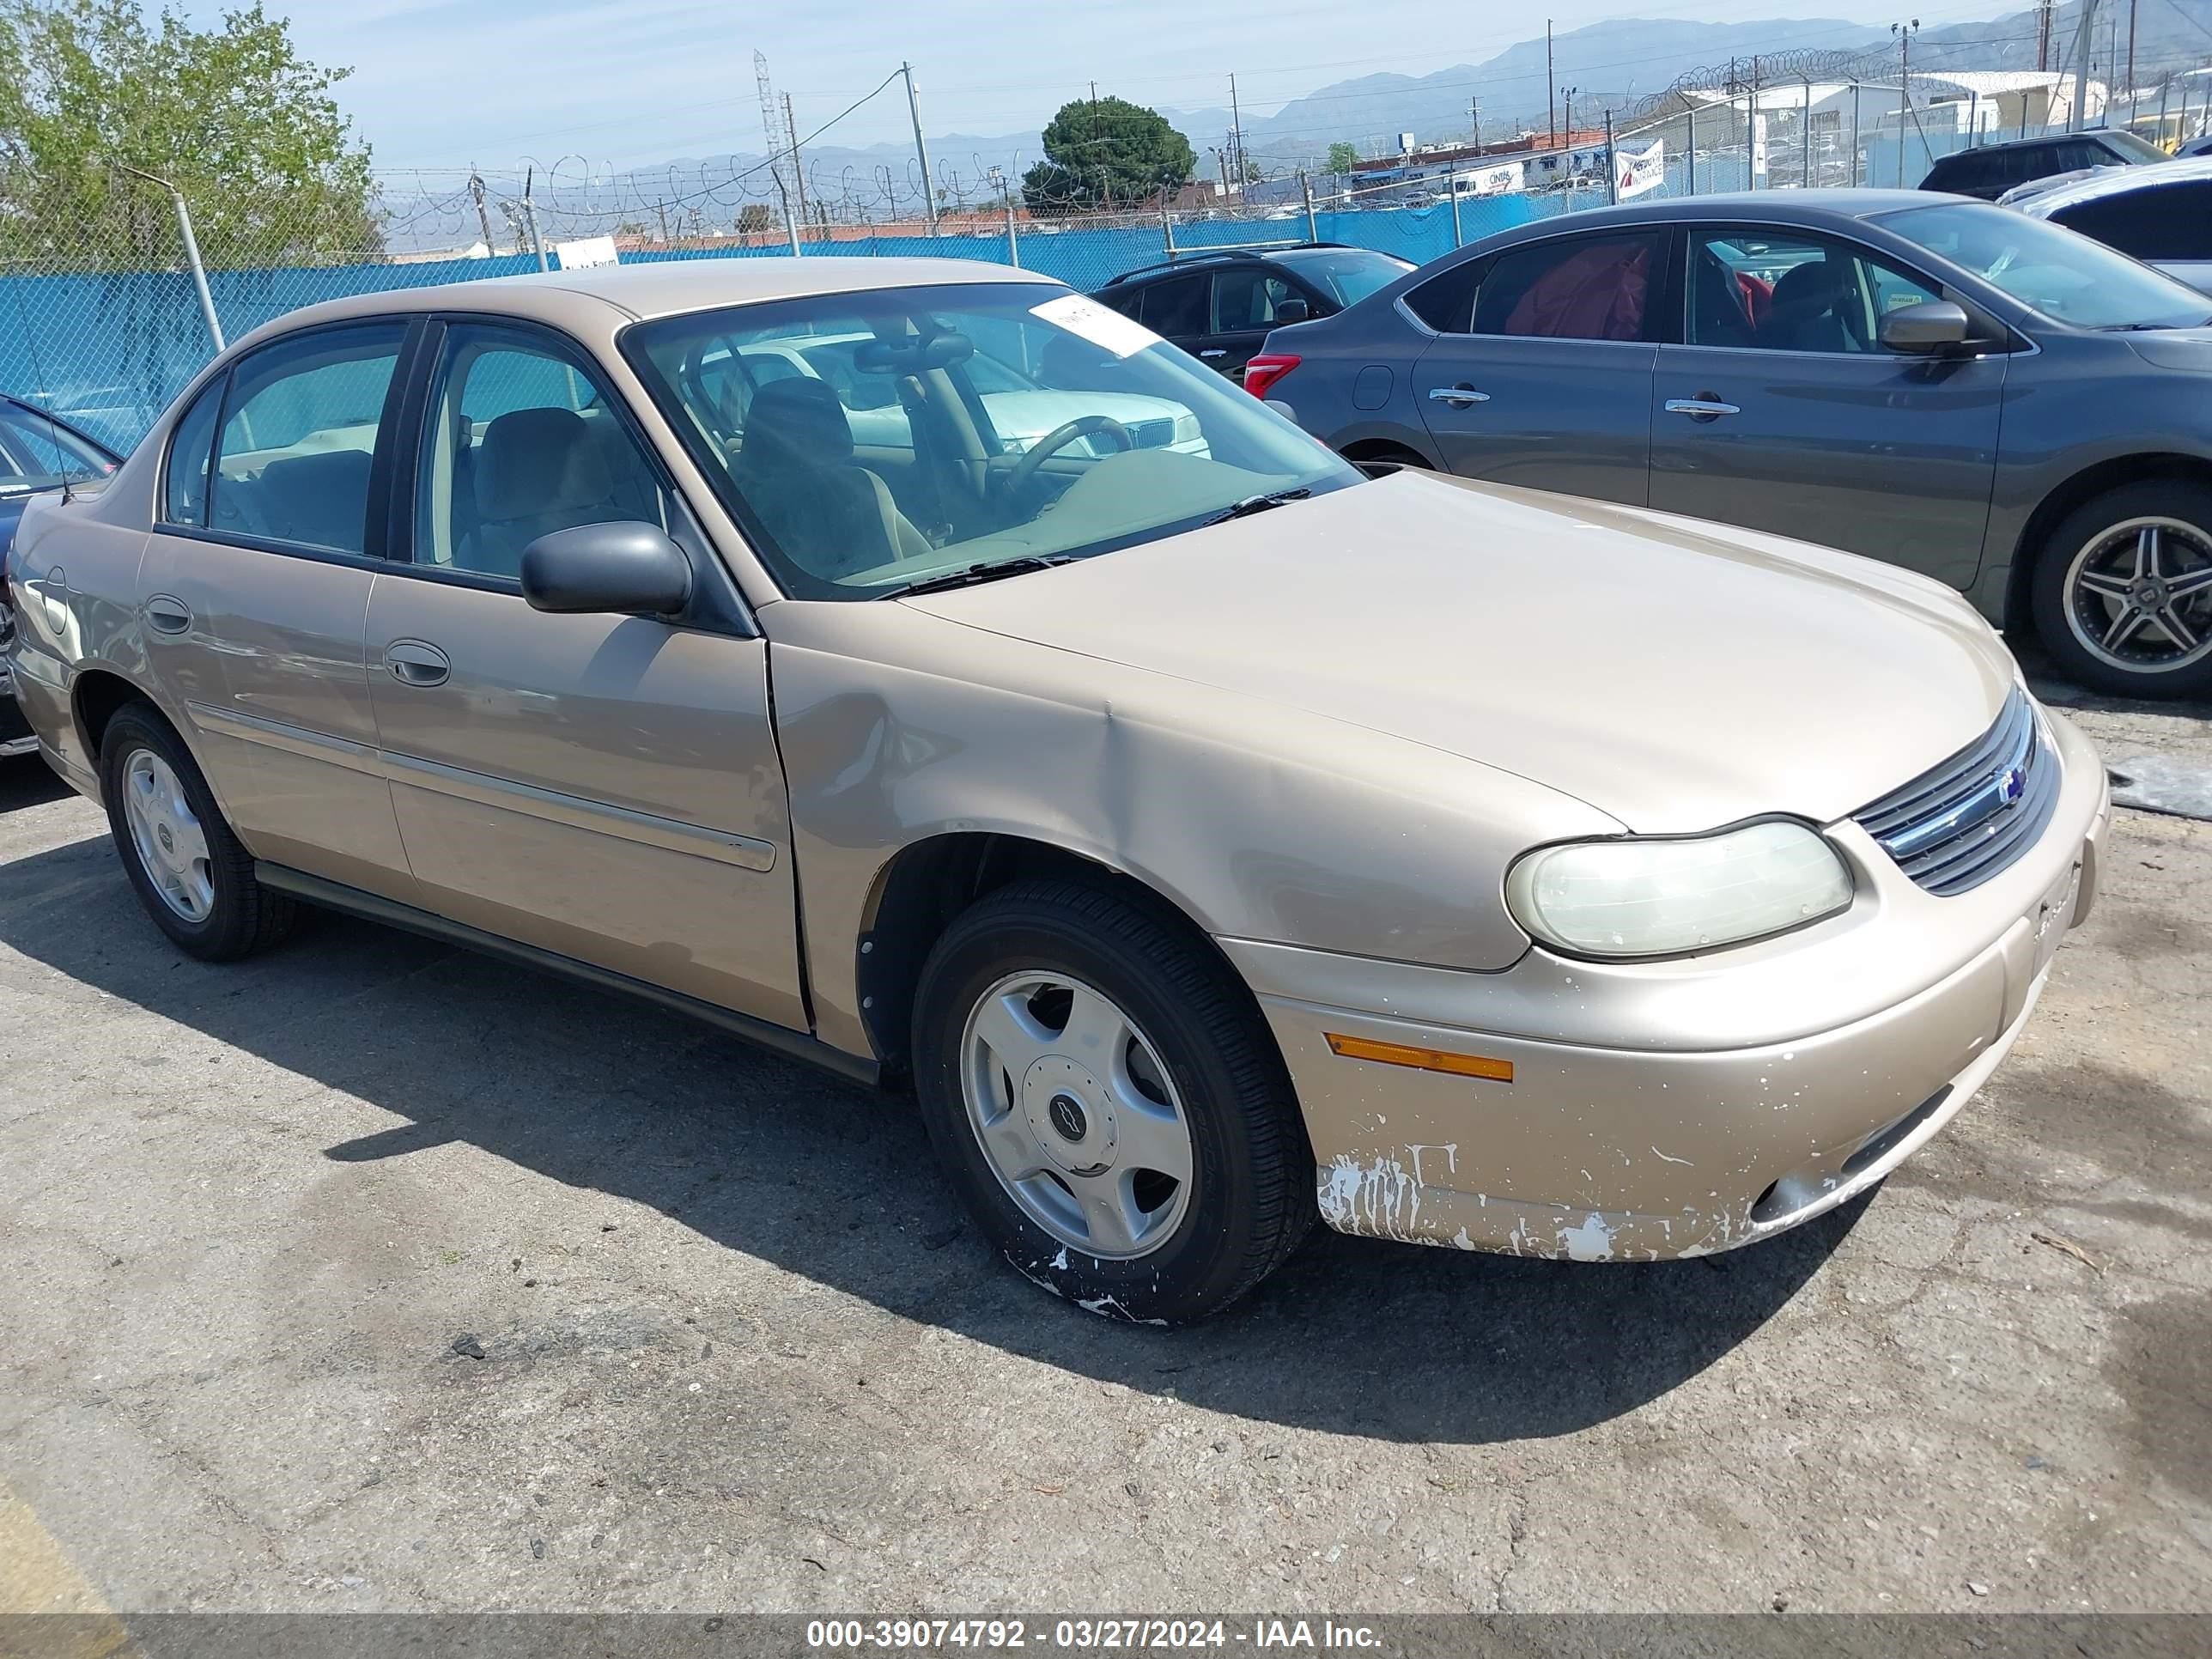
1544 381
260 640
1889 455
604 787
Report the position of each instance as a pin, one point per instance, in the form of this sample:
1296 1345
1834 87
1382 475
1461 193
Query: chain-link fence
106 323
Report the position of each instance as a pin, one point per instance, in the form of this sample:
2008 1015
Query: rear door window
1177 306
2167 221
298 437
1581 287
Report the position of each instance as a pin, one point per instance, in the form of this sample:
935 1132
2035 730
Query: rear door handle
1217 351
1703 407
413 662
1459 397
166 615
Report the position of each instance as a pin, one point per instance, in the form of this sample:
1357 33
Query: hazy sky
626 81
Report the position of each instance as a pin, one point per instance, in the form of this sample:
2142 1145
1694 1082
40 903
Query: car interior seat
829 515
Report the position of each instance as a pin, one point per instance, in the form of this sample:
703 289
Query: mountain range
1608 65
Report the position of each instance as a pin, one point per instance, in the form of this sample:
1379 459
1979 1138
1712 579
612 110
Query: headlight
1653 898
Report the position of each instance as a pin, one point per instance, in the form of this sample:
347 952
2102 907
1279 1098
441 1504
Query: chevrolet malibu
1214 840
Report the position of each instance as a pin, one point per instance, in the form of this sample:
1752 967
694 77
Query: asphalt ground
739 1352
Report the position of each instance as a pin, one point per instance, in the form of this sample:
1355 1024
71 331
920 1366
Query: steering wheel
1083 426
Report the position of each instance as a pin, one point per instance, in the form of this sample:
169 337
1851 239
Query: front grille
1152 435
1959 823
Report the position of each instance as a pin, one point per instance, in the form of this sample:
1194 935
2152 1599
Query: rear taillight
1264 370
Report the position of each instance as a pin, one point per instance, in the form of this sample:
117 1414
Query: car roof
2002 145
1189 259
660 288
1781 207
2099 182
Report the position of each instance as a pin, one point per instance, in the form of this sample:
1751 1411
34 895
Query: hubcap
166 837
2139 596
1073 1109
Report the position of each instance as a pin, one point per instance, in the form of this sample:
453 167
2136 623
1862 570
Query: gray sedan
2001 403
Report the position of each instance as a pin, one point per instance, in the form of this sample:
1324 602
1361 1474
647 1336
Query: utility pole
1305 189
1474 123
1751 128
661 208
2132 49
1237 134
1551 98
1612 165
775 165
1567 96
1903 32
530 218
798 168
2043 36
483 213
1805 138
2075 115
921 149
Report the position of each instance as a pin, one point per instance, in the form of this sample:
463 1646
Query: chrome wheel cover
1076 1114
2138 596
166 835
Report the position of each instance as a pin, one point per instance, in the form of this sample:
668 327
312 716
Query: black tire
2187 504
1251 1200
244 916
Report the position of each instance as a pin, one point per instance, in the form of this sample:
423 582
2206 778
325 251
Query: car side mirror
1932 326
1293 311
626 565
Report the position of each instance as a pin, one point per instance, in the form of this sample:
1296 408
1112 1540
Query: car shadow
26 780
766 1156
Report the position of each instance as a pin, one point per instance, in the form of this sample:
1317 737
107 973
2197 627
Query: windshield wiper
2147 328
975 573
1251 504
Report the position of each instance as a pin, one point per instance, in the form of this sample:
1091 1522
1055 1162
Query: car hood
2175 348
1676 675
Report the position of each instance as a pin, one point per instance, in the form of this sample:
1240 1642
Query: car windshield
2066 277
869 441
2127 144
1347 275
37 453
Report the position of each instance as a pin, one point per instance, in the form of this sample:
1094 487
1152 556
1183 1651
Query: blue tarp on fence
110 350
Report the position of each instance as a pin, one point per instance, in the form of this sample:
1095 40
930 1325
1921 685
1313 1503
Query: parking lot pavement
736 1352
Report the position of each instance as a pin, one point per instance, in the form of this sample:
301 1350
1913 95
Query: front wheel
2122 592
1106 1099
189 870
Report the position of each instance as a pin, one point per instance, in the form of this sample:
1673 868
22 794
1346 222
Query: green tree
1101 152
1341 155
231 114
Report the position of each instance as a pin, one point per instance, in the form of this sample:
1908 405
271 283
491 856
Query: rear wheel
1107 1101
2123 590
191 873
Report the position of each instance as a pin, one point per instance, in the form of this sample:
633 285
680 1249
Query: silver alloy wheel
2139 595
167 835
1076 1114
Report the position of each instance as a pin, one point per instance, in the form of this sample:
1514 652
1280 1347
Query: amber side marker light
1424 1060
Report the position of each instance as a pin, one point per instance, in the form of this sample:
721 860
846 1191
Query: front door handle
166 615
1217 351
1459 397
1703 407
413 662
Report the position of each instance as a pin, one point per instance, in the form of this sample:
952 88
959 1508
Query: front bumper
1676 1108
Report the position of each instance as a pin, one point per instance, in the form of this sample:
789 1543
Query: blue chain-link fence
109 349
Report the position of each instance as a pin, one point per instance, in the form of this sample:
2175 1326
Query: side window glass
1246 298
519 441
1777 292
1177 306
2146 223
293 461
191 446
1591 287
1446 302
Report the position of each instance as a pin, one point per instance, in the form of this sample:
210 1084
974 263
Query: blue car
37 451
